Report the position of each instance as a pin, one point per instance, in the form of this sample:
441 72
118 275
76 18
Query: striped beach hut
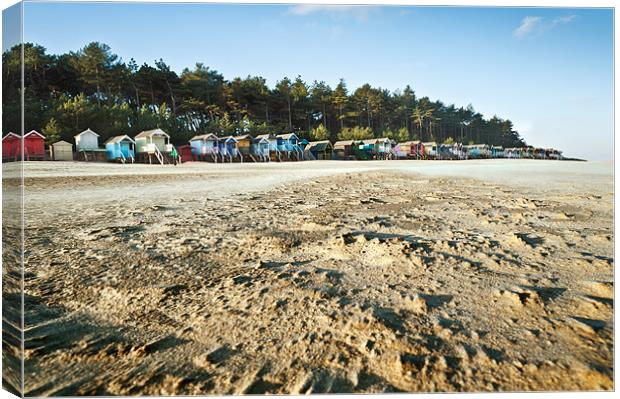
120 148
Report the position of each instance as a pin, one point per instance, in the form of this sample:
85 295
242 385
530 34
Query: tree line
94 88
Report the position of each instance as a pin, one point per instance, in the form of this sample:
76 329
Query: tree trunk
324 116
97 79
137 94
152 93
174 103
290 117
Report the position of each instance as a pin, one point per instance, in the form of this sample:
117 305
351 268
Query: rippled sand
319 277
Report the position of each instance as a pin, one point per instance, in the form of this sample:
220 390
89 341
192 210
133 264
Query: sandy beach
324 276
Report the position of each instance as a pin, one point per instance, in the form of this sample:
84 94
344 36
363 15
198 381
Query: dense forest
94 88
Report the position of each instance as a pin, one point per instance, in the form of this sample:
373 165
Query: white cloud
564 20
361 13
536 25
528 25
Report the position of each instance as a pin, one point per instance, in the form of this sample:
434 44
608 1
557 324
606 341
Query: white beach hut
87 140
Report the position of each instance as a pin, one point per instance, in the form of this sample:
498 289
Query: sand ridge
369 281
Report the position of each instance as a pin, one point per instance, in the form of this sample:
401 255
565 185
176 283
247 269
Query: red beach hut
11 144
34 146
185 152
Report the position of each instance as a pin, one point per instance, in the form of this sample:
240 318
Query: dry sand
318 277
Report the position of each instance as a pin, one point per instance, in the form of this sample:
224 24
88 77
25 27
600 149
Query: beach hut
512 153
404 149
244 146
34 146
397 152
539 153
227 147
444 151
205 147
260 149
87 140
412 149
430 150
120 148
87 146
153 144
457 151
184 152
321 149
61 151
527 152
367 149
383 148
497 151
11 147
344 149
552 153
274 152
289 144
478 151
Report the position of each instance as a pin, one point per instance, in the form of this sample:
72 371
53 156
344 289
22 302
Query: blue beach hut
204 146
227 147
260 148
120 148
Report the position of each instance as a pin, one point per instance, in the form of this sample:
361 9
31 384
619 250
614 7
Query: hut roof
11 134
205 137
259 140
319 145
229 138
151 133
369 141
86 131
287 136
35 133
266 136
62 143
244 137
343 143
118 139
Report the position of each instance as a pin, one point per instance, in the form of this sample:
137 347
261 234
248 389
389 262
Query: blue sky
549 70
